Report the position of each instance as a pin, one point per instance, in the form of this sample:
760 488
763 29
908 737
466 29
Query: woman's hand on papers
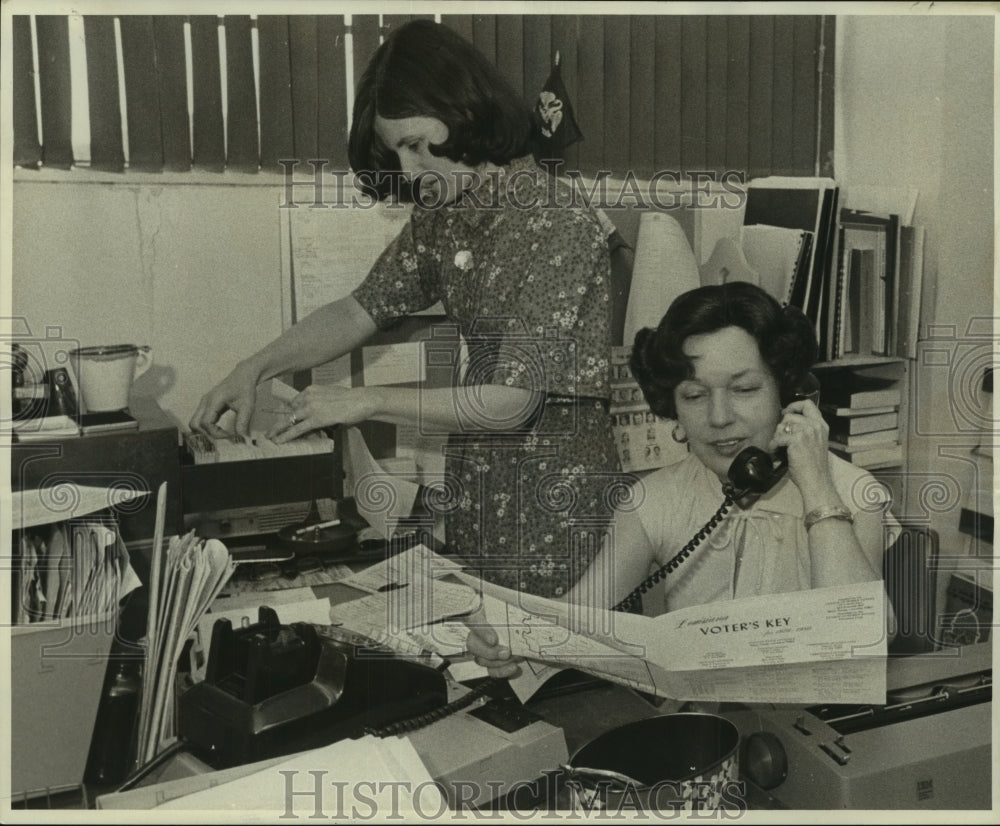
320 406
484 646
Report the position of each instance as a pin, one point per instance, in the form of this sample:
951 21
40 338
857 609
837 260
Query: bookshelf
861 285
872 453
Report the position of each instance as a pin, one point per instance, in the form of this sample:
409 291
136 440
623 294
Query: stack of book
862 412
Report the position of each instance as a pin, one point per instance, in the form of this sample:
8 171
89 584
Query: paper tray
57 673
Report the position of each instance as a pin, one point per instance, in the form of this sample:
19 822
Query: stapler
273 689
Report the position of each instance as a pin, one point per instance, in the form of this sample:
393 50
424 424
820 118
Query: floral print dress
525 275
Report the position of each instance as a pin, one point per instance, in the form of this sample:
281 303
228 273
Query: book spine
862 278
843 427
892 239
796 287
831 284
840 298
878 297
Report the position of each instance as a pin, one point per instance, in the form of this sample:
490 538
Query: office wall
916 109
191 269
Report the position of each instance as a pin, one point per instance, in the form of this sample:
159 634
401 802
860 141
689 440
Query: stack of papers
350 779
65 500
409 608
183 584
71 569
45 427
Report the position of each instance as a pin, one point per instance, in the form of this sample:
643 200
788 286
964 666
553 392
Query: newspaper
826 645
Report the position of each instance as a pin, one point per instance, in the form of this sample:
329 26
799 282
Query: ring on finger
293 419
788 427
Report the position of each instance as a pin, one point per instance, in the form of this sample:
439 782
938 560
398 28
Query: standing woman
523 275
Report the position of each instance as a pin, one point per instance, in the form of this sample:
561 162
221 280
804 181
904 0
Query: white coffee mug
105 373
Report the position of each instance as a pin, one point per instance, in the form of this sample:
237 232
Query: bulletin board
327 251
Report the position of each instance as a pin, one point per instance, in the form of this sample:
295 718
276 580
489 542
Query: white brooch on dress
463 260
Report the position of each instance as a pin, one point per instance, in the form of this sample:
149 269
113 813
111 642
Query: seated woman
725 362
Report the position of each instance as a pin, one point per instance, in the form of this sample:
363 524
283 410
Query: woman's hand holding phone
803 433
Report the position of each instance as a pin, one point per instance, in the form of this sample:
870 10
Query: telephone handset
752 473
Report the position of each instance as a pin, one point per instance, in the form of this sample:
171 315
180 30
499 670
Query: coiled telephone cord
629 603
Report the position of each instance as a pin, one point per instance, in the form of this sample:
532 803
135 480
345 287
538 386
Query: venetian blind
239 93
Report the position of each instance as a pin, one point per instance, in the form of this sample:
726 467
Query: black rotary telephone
752 473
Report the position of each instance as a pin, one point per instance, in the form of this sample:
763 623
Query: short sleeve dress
525 274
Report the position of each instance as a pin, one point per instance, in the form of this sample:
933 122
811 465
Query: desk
892 756
594 708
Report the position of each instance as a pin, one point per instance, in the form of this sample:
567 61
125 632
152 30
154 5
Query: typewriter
928 747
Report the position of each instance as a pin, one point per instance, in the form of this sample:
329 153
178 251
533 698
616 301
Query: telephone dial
752 473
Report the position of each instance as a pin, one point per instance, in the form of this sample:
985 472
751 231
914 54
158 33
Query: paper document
328 252
183 583
350 778
826 645
426 449
408 608
393 363
411 618
71 569
402 568
65 500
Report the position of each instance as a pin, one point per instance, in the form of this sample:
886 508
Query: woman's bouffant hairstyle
786 339
424 69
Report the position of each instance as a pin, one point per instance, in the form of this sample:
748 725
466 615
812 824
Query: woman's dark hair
786 339
424 69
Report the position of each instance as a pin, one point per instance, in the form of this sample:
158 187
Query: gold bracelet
837 512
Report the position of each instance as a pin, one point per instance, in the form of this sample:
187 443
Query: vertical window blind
681 93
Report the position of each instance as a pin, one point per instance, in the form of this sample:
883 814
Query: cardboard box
56 676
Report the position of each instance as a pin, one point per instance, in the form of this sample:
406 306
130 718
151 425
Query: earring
680 439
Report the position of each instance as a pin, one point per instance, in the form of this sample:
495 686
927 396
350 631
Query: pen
317 527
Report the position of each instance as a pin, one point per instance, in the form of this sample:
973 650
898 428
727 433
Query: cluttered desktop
307 638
